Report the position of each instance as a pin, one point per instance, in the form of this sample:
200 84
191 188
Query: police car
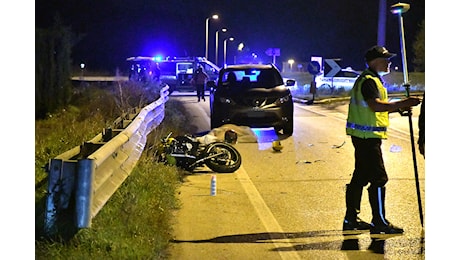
345 79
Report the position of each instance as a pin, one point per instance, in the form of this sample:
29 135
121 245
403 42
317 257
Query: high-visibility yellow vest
362 121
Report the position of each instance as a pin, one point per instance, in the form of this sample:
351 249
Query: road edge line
264 213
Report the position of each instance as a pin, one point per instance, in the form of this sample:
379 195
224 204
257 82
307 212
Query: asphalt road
291 204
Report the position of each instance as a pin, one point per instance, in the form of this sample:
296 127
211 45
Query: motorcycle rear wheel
227 158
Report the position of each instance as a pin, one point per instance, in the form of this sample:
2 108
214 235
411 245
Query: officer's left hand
406 111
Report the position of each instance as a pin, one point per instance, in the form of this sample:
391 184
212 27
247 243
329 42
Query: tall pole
207 34
207 38
225 50
225 53
217 44
239 51
403 50
399 9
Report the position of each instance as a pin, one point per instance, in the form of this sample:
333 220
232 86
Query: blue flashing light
157 58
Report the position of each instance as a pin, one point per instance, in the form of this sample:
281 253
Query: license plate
256 114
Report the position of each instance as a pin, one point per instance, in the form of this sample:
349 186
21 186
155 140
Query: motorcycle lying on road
188 152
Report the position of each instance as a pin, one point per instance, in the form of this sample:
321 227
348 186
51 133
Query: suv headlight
225 100
283 100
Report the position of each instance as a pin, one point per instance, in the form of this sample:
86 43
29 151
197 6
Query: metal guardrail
83 179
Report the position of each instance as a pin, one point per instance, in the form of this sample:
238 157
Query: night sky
116 29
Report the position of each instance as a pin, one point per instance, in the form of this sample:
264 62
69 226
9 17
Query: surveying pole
399 9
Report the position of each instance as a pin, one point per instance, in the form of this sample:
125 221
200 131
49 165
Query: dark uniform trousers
369 167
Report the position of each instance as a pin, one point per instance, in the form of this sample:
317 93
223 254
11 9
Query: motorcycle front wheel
223 157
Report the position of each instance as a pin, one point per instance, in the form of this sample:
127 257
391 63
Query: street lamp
217 42
225 50
291 61
254 57
239 52
82 67
215 17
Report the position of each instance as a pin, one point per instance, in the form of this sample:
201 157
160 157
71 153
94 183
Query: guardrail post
107 134
84 193
52 193
60 188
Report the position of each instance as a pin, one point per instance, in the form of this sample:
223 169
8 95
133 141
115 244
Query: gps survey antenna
399 9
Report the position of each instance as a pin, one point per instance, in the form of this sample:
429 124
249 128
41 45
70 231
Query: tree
419 49
52 68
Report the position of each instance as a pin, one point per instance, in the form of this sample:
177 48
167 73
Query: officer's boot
380 225
353 201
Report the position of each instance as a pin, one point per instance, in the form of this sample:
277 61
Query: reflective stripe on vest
366 127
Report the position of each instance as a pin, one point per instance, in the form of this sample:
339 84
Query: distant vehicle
290 83
345 79
176 72
253 95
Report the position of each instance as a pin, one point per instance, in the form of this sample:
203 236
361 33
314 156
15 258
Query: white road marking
264 213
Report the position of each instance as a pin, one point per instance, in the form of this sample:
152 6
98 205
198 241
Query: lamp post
239 51
82 67
291 61
225 50
207 33
217 43
254 57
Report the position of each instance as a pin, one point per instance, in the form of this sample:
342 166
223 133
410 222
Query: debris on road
395 148
307 162
276 146
338 146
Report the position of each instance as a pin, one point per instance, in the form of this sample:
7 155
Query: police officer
367 124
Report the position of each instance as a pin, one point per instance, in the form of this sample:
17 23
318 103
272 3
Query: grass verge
135 222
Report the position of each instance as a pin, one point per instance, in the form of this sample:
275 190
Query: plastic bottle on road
213 185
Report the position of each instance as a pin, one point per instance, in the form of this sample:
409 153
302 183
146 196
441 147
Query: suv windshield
251 78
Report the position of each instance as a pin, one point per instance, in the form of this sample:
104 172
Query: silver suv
252 95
